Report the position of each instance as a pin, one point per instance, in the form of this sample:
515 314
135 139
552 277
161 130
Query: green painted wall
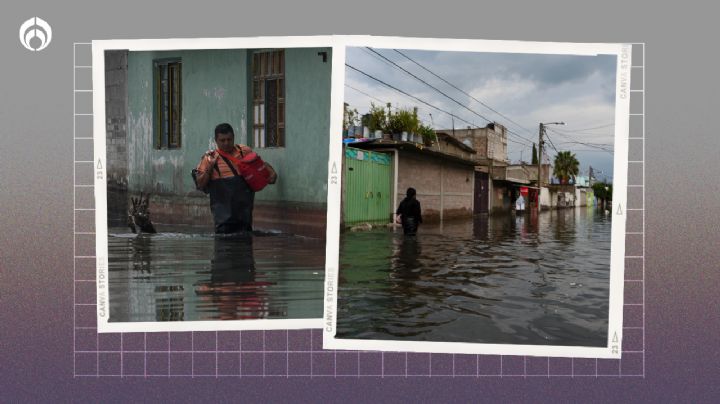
302 163
215 89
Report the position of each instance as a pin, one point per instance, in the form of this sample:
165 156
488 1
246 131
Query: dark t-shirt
410 207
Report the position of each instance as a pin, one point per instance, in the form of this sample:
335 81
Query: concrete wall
580 197
500 197
584 196
302 163
442 186
449 147
496 142
116 135
216 88
545 198
565 199
527 173
559 196
488 142
565 196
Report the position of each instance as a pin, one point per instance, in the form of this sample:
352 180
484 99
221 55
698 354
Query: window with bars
168 103
268 68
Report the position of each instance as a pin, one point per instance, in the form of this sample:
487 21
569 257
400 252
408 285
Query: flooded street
502 279
179 275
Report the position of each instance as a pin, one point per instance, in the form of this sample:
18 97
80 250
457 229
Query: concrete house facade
493 194
162 108
443 179
490 142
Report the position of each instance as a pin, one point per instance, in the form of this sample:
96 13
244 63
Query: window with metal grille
268 69
168 103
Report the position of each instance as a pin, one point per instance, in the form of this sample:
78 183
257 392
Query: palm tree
566 166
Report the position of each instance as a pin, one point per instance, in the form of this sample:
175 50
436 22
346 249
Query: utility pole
541 132
540 155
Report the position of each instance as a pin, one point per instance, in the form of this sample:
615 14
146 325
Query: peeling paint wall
214 90
302 163
116 135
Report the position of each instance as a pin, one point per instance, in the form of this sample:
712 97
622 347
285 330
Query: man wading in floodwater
232 174
409 211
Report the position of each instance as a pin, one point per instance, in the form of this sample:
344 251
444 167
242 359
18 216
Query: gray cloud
527 88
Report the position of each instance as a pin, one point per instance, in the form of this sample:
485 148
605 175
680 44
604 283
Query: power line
405 93
551 142
583 129
366 94
594 147
427 84
441 92
463 91
367 50
575 141
593 150
379 100
583 133
587 134
591 144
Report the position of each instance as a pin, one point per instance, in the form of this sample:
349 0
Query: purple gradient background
683 211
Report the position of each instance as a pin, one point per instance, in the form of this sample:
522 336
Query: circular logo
35 34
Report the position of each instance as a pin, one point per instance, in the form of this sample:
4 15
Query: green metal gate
368 189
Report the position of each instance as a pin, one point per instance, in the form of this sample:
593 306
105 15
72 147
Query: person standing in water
231 198
410 213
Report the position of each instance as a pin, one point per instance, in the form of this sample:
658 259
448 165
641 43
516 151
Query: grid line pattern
299 353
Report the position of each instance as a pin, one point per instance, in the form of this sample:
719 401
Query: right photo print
479 200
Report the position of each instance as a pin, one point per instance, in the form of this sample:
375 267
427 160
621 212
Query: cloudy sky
517 90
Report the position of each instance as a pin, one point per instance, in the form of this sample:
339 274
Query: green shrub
394 124
427 133
378 118
408 120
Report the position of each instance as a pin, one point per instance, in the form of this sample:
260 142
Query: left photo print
214 166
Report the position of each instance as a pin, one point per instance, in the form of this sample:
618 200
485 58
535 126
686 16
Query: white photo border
620 181
100 185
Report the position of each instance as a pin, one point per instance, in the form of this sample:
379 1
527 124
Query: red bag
253 169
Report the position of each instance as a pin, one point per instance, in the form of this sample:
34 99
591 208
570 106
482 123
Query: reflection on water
186 276
507 279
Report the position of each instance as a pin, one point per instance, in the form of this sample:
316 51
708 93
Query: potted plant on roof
416 126
394 126
408 123
365 122
351 121
377 120
428 134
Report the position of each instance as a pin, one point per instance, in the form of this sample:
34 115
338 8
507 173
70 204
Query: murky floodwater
487 280
184 276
